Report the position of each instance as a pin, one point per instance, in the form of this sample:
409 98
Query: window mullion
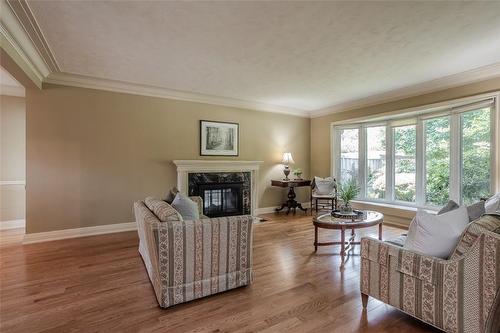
336 153
362 162
389 164
420 171
455 160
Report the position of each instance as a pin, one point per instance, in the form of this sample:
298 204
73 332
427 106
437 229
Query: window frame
450 109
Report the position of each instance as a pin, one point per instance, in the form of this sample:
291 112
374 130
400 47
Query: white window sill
395 206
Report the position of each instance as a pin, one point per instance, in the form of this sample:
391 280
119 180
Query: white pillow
186 207
492 205
324 185
436 235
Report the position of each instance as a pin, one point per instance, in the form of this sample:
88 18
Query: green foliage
475 149
476 155
297 172
348 190
437 157
405 192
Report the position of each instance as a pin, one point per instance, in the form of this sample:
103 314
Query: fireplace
223 193
222 199
193 174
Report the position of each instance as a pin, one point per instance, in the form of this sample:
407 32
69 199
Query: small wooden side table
327 221
291 203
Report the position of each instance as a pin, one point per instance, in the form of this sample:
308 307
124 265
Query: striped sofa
461 294
186 260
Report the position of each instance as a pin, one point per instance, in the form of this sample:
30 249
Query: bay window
422 159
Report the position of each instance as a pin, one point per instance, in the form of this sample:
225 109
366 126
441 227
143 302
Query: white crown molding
24 41
12 224
19 44
455 80
82 81
7 90
26 18
78 232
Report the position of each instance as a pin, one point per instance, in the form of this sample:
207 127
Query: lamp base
286 171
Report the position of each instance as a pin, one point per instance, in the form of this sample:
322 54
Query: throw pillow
324 186
186 207
451 205
436 235
162 210
171 194
492 205
476 210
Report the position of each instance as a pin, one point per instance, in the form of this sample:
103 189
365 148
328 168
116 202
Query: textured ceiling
307 55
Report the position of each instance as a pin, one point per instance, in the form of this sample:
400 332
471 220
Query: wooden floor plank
99 284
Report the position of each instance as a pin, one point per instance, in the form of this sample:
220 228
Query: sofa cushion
162 210
186 207
324 186
398 241
436 235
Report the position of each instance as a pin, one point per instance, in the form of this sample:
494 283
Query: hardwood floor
99 284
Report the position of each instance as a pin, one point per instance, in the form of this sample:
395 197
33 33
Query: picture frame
218 138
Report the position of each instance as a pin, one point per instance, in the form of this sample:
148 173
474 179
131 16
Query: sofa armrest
384 265
417 265
197 250
431 269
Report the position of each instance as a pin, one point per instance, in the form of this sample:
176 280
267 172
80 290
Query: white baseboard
267 210
78 232
12 224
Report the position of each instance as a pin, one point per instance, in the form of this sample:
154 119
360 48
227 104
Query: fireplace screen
222 199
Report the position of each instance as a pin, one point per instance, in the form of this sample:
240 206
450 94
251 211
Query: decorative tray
355 215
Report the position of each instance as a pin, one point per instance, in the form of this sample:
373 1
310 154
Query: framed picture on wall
219 138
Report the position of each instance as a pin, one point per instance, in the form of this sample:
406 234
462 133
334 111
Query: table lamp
287 159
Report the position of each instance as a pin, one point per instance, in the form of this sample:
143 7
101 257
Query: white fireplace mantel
185 167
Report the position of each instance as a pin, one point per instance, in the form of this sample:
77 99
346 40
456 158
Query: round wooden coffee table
370 218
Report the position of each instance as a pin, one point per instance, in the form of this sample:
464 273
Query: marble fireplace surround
185 167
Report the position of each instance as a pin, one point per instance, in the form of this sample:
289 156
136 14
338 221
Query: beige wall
91 153
12 157
321 144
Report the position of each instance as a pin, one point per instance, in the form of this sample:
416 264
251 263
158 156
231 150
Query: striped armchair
461 294
186 260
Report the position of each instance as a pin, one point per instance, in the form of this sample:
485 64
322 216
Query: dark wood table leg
281 208
299 206
315 238
380 231
291 204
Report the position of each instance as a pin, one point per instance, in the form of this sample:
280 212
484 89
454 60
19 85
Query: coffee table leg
315 238
342 243
380 231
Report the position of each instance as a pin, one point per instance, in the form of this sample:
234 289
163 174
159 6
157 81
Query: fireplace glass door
222 199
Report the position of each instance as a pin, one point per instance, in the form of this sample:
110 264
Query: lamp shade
287 159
